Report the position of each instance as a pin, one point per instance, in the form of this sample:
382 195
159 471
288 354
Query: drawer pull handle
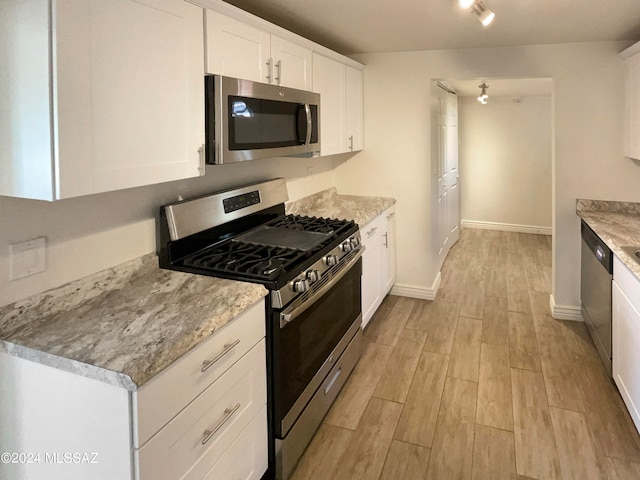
227 348
227 415
333 380
370 232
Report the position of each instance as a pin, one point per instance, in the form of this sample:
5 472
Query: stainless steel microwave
248 120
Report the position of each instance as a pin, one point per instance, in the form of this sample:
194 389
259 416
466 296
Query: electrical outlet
27 258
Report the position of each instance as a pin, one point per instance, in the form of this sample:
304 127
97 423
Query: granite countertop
617 224
329 204
123 325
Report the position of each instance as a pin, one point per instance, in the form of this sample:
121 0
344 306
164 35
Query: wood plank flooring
480 384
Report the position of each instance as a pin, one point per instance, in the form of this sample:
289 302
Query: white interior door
442 181
447 174
453 175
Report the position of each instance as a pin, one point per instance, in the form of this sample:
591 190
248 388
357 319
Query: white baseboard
506 227
565 312
424 293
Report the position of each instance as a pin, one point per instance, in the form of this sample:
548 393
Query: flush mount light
478 7
483 94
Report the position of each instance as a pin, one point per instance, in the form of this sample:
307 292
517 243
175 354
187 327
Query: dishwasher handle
595 244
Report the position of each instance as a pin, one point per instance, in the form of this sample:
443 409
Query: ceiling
363 26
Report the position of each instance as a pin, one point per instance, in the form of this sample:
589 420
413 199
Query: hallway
481 383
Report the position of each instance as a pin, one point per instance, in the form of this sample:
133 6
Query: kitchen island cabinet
149 373
99 96
626 337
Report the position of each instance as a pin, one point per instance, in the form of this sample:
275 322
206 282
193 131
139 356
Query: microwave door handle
307 111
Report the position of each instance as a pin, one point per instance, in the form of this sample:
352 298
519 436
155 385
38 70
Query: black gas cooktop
276 250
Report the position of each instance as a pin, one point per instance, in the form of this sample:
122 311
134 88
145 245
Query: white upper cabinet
106 96
237 49
632 129
330 82
292 64
354 112
341 97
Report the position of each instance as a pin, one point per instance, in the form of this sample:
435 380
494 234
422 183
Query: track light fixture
478 7
483 94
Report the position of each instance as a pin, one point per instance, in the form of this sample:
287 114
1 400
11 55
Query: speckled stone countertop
328 203
123 325
617 224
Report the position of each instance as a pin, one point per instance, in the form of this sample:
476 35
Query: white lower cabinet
626 337
203 417
246 458
197 438
378 262
193 414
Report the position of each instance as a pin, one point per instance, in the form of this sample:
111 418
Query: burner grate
310 224
261 261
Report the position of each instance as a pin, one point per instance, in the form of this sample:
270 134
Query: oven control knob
313 276
346 246
330 260
355 242
300 286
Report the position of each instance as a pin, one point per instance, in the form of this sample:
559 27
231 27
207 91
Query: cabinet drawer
226 408
246 458
163 397
372 230
627 281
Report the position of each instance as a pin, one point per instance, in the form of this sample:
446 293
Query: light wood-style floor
481 383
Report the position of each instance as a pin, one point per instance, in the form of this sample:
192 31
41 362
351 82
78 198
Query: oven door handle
288 317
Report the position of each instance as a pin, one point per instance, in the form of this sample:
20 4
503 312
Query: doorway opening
492 163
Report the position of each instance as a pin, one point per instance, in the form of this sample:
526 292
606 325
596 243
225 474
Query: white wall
88 234
588 116
505 160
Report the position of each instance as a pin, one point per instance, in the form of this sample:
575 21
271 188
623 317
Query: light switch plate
27 258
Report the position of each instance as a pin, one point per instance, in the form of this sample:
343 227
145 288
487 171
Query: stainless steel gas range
312 268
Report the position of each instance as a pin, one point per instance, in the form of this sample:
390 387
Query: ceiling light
478 7
483 94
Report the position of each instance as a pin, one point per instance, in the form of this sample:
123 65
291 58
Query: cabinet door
235 49
291 64
632 144
626 351
371 270
329 82
389 252
128 93
354 112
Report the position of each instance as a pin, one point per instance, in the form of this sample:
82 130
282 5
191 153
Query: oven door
310 341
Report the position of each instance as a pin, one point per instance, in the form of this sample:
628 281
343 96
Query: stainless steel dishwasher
595 291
